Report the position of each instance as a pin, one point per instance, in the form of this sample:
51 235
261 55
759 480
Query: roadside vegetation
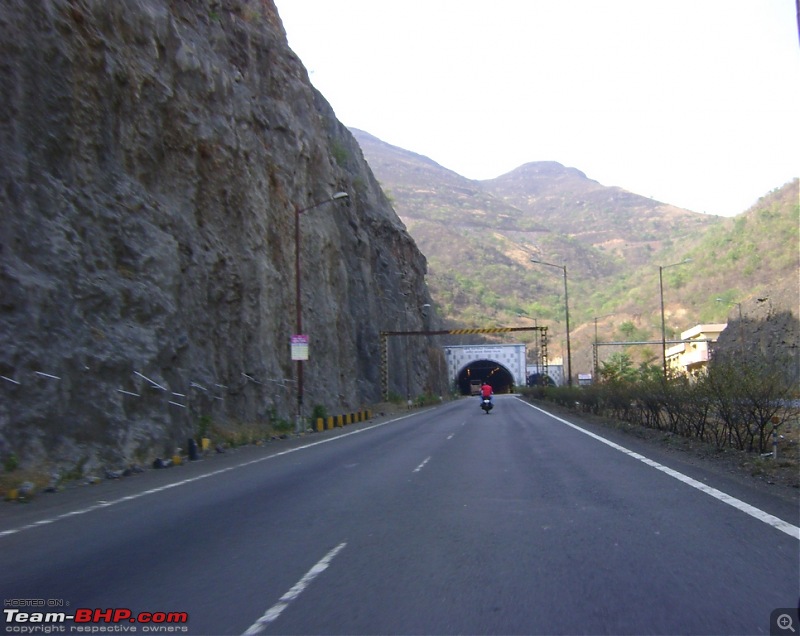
746 406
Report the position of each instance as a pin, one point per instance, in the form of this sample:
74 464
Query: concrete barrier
339 421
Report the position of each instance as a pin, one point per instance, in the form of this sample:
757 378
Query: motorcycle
486 405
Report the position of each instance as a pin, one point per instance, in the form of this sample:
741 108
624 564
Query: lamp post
408 358
596 362
741 335
538 348
663 325
739 305
566 313
298 304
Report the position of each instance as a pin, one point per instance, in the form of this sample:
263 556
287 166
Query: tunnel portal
500 378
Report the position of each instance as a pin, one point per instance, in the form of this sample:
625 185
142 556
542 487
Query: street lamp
298 305
596 363
663 326
566 312
408 358
739 305
537 341
727 302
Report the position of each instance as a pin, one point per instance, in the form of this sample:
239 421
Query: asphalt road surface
444 521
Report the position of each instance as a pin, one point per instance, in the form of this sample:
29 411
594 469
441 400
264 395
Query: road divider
338 421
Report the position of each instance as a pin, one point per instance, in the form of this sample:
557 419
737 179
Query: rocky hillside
619 222
479 237
153 154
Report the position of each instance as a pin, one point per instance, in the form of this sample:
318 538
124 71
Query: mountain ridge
479 237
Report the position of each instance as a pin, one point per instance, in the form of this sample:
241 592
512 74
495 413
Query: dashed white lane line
276 610
776 522
144 493
422 465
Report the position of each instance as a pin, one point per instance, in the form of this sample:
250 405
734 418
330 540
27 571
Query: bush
732 404
11 463
204 425
317 412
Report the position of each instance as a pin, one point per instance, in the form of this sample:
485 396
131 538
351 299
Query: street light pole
538 346
408 358
298 303
566 313
663 324
739 305
741 334
596 361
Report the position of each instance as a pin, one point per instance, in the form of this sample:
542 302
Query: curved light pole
663 326
406 331
520 314
566 312
741 335
727 302
297 303
408 357
596 361
538 342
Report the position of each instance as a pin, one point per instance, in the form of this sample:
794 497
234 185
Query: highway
442 521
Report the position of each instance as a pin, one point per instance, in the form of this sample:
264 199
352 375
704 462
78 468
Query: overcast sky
692 102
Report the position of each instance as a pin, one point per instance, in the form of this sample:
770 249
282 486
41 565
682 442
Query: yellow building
691 355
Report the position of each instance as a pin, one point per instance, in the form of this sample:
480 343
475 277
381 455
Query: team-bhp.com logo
86 620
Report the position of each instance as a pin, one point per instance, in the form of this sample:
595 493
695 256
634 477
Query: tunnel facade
503 366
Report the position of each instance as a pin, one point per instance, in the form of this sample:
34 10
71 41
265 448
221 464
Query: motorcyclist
486 391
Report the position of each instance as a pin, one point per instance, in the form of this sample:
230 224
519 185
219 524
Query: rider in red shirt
486 391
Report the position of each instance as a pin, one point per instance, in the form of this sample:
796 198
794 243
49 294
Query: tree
618 369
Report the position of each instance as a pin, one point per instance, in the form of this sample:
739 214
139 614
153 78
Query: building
691 356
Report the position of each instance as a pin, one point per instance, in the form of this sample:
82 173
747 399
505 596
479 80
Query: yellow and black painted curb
337 421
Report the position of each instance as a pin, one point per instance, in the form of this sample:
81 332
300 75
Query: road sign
300 347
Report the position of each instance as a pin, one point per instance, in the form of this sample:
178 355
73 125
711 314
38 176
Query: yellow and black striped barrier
338 421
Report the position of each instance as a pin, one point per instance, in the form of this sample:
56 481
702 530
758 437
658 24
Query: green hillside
479 238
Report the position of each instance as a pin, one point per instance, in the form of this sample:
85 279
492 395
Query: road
444 521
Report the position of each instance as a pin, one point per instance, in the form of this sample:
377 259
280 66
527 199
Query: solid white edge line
777 523
273 612
36 524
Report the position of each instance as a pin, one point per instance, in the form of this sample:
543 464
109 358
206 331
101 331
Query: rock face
153 155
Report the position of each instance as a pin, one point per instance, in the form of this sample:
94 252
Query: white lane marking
422 465
152 491
273 612
775 522
451 436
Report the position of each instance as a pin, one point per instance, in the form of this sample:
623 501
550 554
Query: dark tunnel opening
479 371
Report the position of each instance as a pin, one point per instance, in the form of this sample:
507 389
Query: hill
479 237
611 219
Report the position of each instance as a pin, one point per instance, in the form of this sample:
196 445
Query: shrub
317 412
11 463
734 404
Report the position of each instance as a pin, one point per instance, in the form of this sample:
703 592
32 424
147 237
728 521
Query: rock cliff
153 156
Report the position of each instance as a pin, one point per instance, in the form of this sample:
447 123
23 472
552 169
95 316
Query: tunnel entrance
500 378
540 379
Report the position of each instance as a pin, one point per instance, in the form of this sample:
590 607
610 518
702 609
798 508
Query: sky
692 102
